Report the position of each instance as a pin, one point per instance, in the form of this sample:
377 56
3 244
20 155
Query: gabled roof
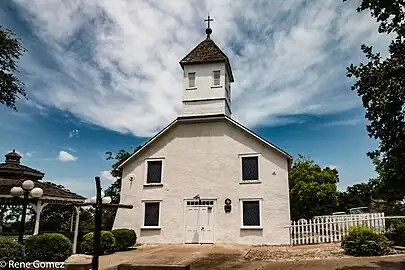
206 118
207 52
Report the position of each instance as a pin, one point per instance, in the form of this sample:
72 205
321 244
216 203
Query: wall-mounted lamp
197 197
131 178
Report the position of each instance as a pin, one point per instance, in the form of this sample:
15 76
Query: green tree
380 82
11 88
313 190
358 195
114 190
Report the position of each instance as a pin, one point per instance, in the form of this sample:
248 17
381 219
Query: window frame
251 227
213 78
161 173
143 226
188 79
241 156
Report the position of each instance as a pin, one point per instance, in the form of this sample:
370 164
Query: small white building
205 178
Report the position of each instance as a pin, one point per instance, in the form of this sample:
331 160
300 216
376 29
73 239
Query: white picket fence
329 229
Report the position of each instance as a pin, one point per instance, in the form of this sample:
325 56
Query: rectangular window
191 79
154 173
250 168
251 213
216 76
151 214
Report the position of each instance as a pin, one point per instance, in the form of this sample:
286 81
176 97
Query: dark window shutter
154 172
217 77
250 168
151 214
251 213
191 79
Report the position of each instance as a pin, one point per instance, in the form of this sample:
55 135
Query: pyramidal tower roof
207 52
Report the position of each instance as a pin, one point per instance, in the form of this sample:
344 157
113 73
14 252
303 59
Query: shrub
48 247
396 231
107 243
11 250
124 238
364 241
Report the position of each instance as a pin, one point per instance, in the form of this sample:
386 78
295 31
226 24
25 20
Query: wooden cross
209 20
98 215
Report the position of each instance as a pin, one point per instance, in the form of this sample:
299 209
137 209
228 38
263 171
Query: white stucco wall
203 159
205 107
195 99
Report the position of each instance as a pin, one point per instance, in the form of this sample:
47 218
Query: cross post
98 218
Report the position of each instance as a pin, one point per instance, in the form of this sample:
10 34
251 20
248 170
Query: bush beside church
111 241
56 247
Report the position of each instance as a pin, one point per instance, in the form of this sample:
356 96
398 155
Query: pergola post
38 209
77 208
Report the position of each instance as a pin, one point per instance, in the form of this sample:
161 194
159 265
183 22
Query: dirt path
238 257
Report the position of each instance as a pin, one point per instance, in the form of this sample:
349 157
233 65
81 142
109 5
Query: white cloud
74 133
118 60
347 122
106 175
65 156
29 154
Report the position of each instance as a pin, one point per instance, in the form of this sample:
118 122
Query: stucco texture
204 158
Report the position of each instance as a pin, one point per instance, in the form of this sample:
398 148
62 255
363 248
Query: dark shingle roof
20 169
50 189
205 52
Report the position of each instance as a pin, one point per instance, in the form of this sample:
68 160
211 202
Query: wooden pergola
13 174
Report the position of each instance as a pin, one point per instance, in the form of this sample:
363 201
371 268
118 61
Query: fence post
289 232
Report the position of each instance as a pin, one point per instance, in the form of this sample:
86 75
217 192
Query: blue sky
104 75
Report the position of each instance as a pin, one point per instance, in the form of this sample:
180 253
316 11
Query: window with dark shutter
154 172
250 168
251 213
151 214
217 77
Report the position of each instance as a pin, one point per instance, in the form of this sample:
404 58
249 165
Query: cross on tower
209 20
208 31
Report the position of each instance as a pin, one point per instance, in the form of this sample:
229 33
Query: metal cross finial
209 20
208 31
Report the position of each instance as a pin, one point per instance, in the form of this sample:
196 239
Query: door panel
199 224
192 232
206 225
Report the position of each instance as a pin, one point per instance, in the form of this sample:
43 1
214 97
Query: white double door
199 225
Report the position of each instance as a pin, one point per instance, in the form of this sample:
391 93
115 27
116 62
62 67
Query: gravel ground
295 253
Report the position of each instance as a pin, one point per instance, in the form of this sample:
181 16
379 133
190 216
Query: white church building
205 178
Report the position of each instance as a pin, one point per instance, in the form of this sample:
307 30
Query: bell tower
207 77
